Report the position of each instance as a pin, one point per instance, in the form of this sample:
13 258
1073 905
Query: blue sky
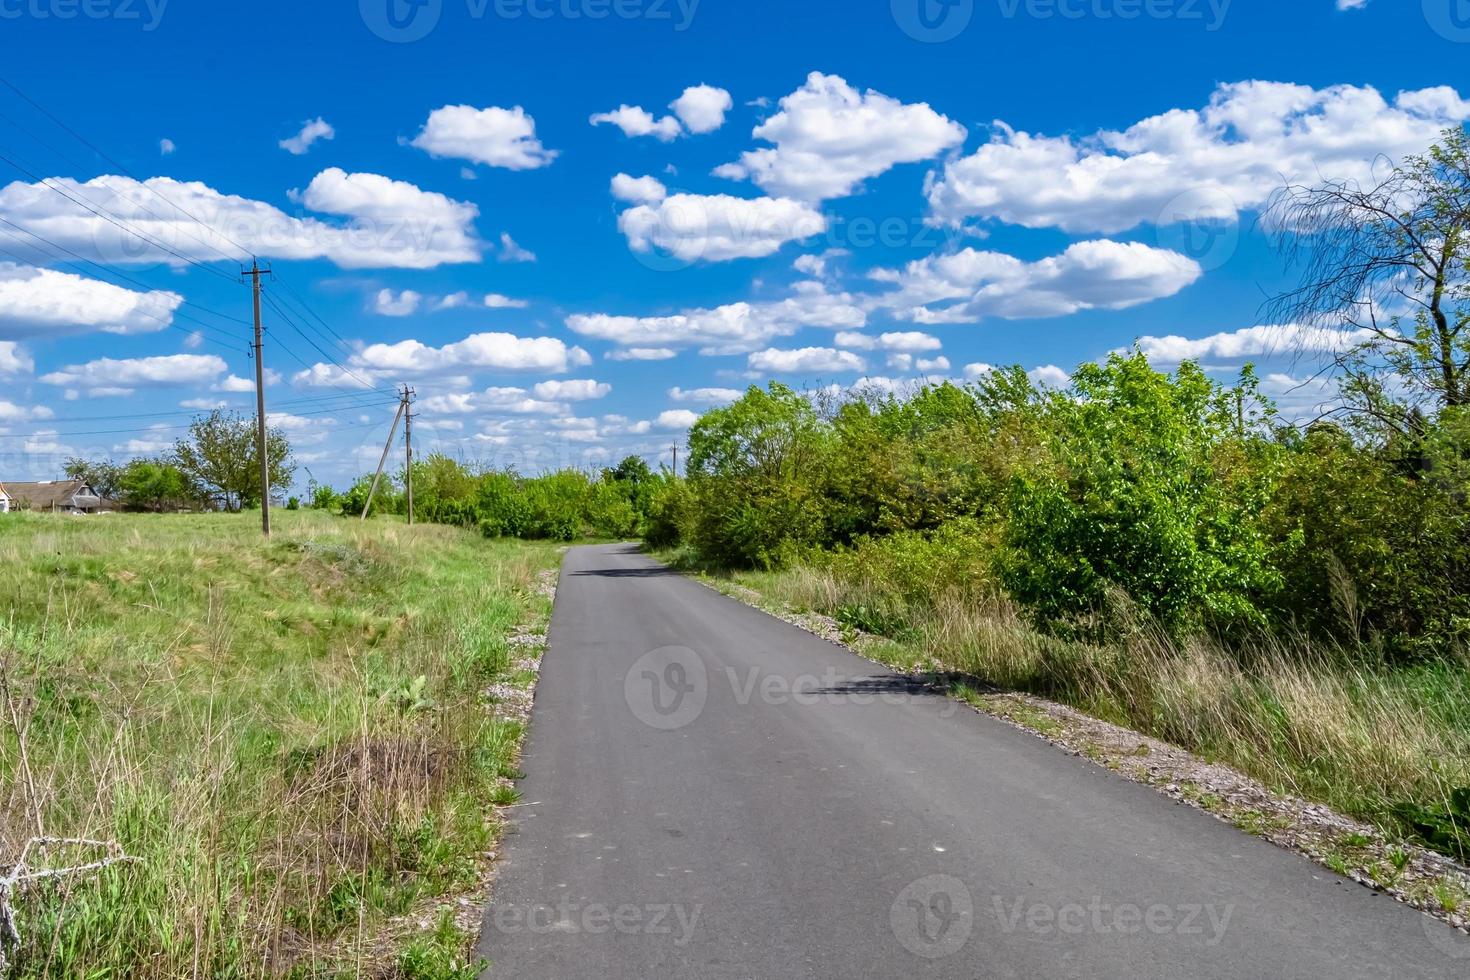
866 192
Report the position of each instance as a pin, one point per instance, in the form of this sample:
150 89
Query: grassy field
292 738
1387 745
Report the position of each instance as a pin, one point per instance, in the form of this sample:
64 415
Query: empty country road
712 793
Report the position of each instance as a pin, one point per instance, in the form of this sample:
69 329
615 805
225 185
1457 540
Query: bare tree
1387 267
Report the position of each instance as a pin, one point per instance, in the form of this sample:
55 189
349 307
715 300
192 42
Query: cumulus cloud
496 301
969 285
702 108
705 396
806 360
909 341
311 131
511 251
1258 341
641 354
11 412
120 376
166 146
14 360
1226 158
636 121
481 351
638 190
389 303
676 420
729 329
829 138
46 302
387 223
718 227
491 401
572 391
493 136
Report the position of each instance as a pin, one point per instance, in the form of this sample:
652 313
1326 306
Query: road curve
712 793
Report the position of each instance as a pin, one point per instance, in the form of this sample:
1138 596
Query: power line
125 171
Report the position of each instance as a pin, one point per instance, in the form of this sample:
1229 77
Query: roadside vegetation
291 740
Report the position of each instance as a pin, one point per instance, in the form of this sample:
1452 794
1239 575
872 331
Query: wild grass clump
290 736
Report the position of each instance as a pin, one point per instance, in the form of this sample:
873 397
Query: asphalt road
712 793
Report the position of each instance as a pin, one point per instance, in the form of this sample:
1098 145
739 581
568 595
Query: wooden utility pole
260 439
392 433
408 394
676 459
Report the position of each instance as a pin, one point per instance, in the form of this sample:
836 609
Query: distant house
56 496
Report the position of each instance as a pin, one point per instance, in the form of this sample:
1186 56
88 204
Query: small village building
52 497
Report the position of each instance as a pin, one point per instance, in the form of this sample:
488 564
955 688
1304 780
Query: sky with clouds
574 225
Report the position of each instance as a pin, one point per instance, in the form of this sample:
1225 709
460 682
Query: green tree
220 456
102 475
1391 263
155 485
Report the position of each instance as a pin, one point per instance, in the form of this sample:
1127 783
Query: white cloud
718 227
636 121
494 136
807 360
389 223
906 341
234 385
641 354
204 404
46 302
14 360
311 131
492 401
118 376
572 391
1258 341
166 147
829 138
11 412
1351 4
638 190
481 351
733 328
702 108
510 251
676 420
970 285
1189 164
1049 376
705 396
389 303
496 301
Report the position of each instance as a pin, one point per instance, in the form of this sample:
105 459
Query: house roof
44 496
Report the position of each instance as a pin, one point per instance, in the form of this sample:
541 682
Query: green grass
290 736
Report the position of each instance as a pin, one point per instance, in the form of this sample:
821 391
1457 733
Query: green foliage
1443 826
101 475
220 455
155 485
1154 485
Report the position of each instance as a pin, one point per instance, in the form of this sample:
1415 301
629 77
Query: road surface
712 793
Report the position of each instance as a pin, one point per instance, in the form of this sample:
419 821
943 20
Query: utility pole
392 433
676 459
408 394
260 440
